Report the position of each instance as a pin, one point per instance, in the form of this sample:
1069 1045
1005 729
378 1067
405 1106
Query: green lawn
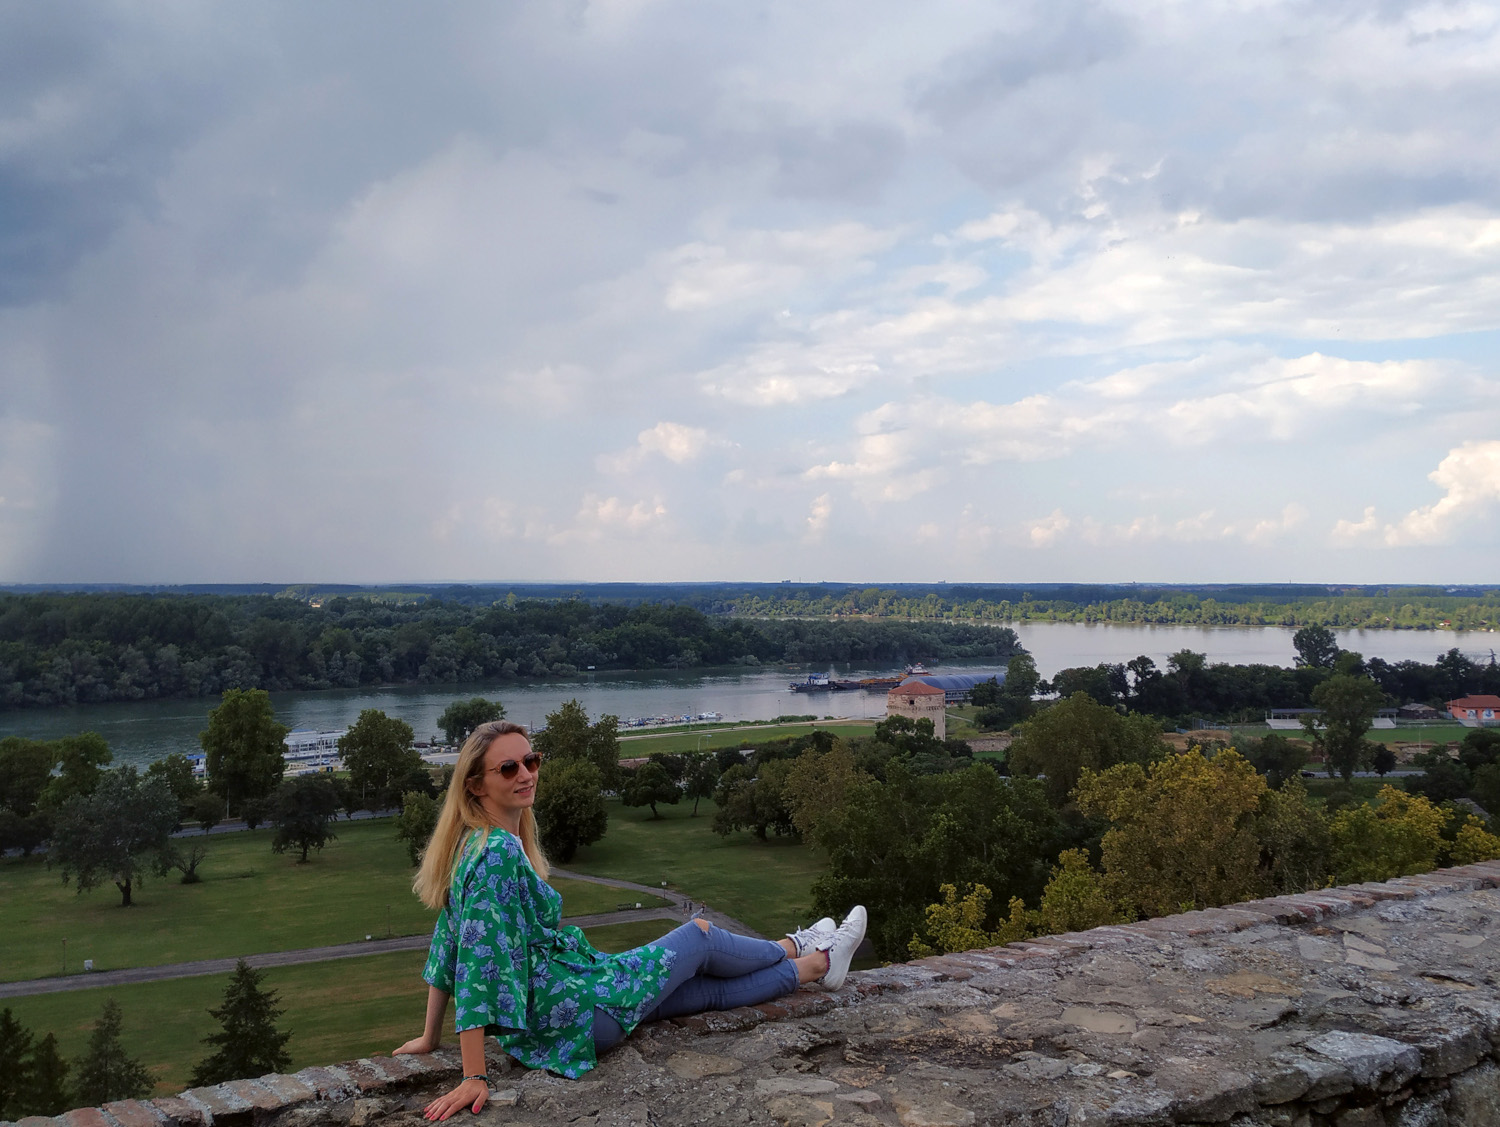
706 739
336 1011
250 900
765 884
1364 789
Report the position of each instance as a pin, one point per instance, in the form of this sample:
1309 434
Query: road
676 912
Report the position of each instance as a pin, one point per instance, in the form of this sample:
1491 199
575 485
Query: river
145 731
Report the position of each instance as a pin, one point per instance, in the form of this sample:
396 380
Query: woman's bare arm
432 1029
470 1093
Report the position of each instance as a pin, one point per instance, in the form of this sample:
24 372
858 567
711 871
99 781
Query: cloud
1352 531
675 442
817 515
903 447
295 301
1470 479
1045 532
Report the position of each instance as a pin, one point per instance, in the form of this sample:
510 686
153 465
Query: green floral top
499 951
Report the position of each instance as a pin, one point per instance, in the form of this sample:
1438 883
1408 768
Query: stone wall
1364 1006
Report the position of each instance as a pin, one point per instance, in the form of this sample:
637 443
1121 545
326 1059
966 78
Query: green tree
649 784
244 747
177 770
985 693
248 1044
25 772
47 1092
116 834
701 779
106 1072
1348 705
893 843
15 1064
185 858
754 799
302 812
569 807
208 810
254 811
1486 791
382 761
1276 757
569 736
1316 647
1182 830
1013 703
415 823
463 716
1383 761
1077 734
1294 839
1400 837
81 760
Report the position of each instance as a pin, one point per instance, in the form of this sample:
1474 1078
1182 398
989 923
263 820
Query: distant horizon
1331 588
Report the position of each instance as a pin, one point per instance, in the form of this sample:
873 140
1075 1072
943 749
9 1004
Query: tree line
1414 608
1191 688
105 825
60 649
36 1080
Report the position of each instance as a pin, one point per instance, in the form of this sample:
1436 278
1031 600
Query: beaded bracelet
485 1076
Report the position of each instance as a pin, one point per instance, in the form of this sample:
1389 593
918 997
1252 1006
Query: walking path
676 912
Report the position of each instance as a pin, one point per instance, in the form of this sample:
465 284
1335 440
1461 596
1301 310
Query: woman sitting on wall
551 999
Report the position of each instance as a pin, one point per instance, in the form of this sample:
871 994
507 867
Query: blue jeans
714 970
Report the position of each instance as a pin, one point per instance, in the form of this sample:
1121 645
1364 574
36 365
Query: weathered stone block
365 1075
1475 1098
217 1103
287 1090
1205 1091
1376 1063
180 1113
84 1117
37 1121
134 1113
257 1095
327 1083
1447 1051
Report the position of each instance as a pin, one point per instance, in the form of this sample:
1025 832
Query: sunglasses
512 767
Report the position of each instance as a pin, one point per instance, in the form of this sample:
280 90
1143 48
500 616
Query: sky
1199 291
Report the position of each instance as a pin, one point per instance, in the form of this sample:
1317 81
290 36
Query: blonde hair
462 814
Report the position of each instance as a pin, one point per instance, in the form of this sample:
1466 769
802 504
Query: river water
147 730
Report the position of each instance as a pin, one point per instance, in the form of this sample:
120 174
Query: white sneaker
845 942
814 937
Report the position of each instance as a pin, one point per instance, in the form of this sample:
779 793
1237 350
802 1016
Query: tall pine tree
105 1072
47 1093
15 1064
250 1045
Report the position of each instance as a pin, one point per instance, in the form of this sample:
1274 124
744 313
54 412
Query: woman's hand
422 1044
471 1094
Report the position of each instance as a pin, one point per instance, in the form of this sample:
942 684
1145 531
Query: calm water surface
141 732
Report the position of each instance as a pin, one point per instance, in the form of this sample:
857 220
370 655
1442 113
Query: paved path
677 912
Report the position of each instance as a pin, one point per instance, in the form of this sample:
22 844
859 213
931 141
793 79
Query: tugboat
815 683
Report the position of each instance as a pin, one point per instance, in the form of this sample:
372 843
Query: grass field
764 884
250 900
335 1011
711 739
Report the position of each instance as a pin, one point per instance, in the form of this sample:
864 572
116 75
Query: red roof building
1481 709
919 701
